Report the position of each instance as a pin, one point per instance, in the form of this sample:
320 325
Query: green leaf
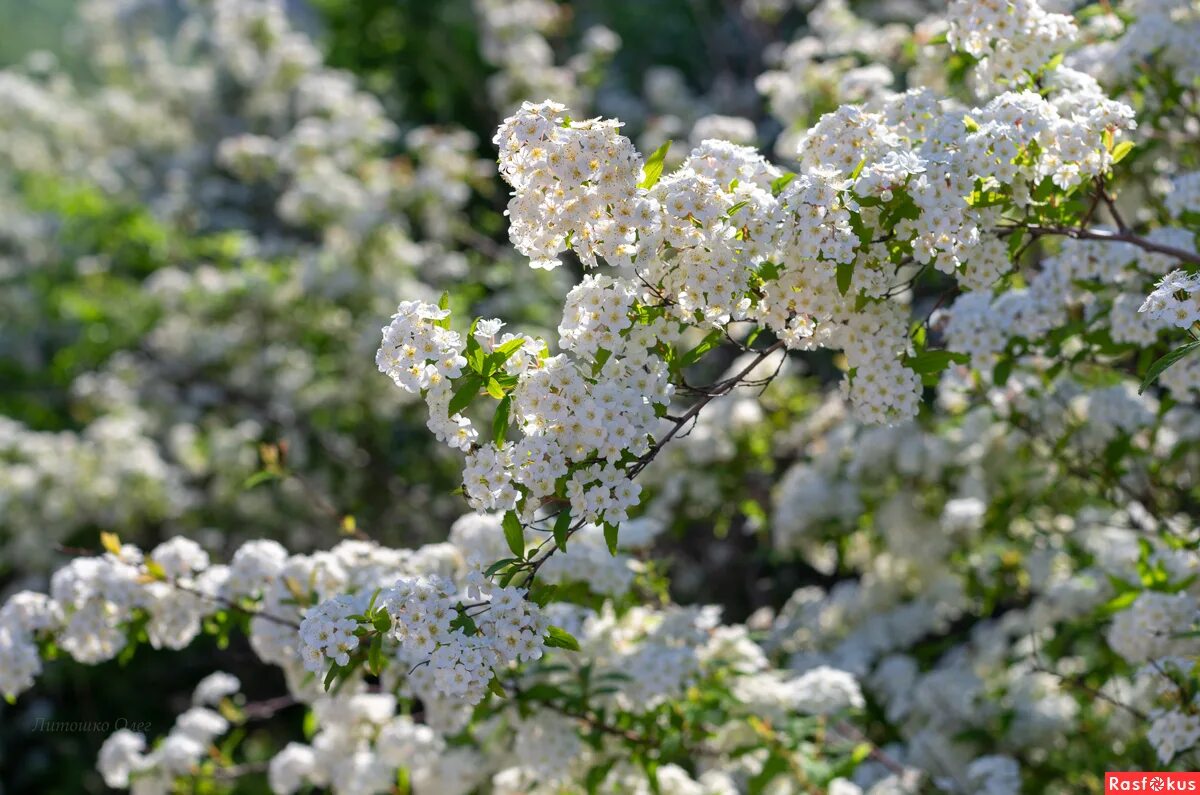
595 777
509 348
542 593
495 389
1119 602
465 393
653 169
331 676
768 271
845 273
559 638
465 623
857 169
476 360
562 527
779 183
155 570
1121 150
929 362
610 537
918 334
514 534
1002 371
500 421
774 766
1164 362
495 567
861 231
444 303
375 655
262 476
111 542
1014 243
710 341
495 688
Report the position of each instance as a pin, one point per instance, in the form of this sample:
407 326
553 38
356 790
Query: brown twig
1121 236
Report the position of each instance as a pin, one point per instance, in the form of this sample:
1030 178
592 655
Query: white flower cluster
1175 300
1184 195
361 739
821 691
1173 731
571 180
863 625
508 629
327 632
124 762
1157 32
825 65
109 474
93 599
705 232
23 615
425 615
1149 629
358 749
515 40
982 325
1012 38
420 355
595 401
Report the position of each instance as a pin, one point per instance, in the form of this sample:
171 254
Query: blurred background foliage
424 57
30 26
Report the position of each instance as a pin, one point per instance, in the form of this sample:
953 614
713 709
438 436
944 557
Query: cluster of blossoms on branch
427 620
999 577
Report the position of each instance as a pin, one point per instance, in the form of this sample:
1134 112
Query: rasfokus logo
1151 782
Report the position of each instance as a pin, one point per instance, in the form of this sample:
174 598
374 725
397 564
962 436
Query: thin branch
720 388
237 771
711 393
851 733
1075 684
260 710
1122 236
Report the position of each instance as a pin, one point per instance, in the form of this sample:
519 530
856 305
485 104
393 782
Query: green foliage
1156 369
653 169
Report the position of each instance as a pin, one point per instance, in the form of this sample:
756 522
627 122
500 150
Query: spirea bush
972 508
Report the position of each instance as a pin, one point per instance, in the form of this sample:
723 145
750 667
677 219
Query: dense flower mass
868 466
